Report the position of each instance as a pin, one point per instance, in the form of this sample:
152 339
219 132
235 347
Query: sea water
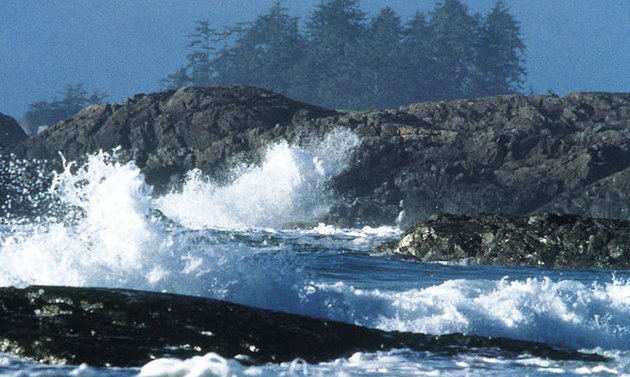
236 240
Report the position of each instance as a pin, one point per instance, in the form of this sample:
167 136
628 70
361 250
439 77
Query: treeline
69 101
341 59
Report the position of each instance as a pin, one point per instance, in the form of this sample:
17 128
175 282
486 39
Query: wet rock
113 327
171 132
511 154
10 131
542 240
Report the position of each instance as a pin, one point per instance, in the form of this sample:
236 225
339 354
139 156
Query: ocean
254 239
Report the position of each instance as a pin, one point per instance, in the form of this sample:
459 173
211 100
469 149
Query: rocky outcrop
509 154
172 132
543 240
114 327
10 131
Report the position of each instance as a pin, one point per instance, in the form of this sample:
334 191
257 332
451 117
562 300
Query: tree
73 99
454 36
265 53
200 70
382 63
176 80
499 55
420 82
334 32
342 61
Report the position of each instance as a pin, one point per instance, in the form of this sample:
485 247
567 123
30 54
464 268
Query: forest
340 58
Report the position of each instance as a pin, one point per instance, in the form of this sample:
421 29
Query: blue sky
126 47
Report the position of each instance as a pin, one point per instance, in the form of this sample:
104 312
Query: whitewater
253 239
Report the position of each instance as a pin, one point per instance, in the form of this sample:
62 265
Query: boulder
114 327
542 240
10 131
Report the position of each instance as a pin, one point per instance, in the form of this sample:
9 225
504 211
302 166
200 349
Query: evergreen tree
200 70
419 82
382 63
265 52
176 80
334 32
499 55
341 61
454 36
73 99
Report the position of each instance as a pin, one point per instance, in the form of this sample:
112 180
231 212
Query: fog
126 47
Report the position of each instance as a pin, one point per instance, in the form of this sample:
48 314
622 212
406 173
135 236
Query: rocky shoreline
510 155
115 327
543 240
514 155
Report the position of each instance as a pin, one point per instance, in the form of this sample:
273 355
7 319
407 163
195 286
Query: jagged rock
115 327
543 240
10 131
508 154
174 131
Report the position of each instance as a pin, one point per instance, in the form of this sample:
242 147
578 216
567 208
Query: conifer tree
73 99
200 69
420 84
334 32
454 36
265 53
382 63
499 55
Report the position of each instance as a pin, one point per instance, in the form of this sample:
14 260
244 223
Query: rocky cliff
510 154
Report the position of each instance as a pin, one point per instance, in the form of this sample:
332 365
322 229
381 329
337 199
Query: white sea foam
103 235
291 185
566 312
209 365
107 235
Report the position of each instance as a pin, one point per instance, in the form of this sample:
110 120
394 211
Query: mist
123 48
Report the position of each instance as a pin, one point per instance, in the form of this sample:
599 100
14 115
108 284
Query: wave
290 186
104 227
566 312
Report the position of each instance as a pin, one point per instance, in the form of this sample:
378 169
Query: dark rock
10 131
508 154
172 132
115 327
544 240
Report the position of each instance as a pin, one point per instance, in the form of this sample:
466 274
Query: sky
125 47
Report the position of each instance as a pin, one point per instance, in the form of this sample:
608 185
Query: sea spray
103 229
565 312
95 233
110 236
291 185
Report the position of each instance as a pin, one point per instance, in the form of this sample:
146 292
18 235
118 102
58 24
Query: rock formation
545 240
114 327
171 132
10 131
508 154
